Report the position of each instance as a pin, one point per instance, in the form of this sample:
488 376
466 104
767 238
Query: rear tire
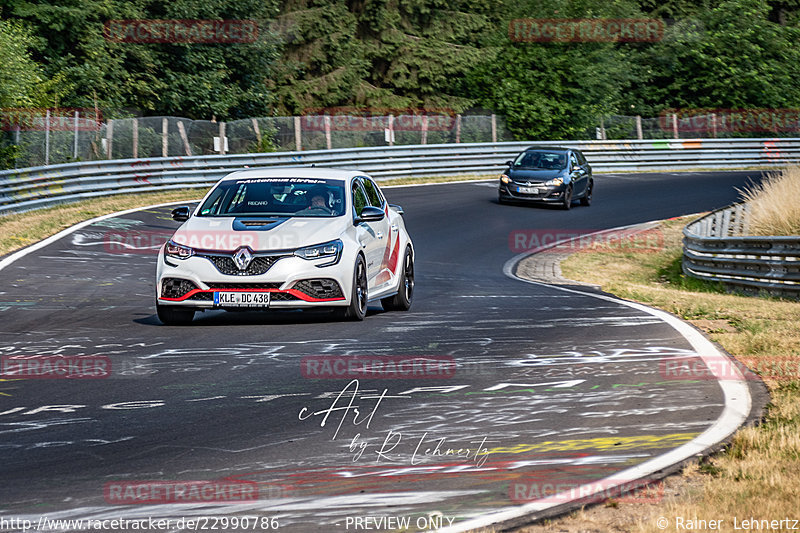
357 309
174 316
405 293
587 198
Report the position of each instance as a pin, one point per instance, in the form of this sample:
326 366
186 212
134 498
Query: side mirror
509 163
181 214
369 214
397 208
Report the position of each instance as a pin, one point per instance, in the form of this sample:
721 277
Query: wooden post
47 137
164 140
391 130
185 138
424 129
675 126
110 139
494 128
714 125
75 142
639 127
458 128
135 137
328 131
298 135
257 131
222 138
602 129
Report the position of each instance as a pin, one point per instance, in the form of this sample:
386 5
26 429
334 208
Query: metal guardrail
717 248
36 187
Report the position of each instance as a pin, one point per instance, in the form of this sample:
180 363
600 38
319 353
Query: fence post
458 128
75 142
602 129
424 139
135 137
184 138
494 128
714 124
222 138
328 131
164 141
675 126
639 127
298 134
257 131
110 139
391 130
47 138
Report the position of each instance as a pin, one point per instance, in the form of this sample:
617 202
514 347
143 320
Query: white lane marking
72 229
737 407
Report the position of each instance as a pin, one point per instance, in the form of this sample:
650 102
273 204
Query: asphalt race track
549 387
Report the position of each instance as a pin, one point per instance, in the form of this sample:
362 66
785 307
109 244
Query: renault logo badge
243 257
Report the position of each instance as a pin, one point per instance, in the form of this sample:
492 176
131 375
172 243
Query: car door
388 235
578 175
370 235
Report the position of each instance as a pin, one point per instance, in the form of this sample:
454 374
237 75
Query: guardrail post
298 135
639 127
164 140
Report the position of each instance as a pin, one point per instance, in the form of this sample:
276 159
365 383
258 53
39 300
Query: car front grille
175 287
243 286
259 265
321 289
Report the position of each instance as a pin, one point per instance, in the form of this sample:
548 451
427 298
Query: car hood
534 175
265 233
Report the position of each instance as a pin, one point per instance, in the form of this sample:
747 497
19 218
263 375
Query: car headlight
332 250
177 251
505 179
555 182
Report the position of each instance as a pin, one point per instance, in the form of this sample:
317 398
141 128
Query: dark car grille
243 286
283 297
258 266
175 287
202 296
321 289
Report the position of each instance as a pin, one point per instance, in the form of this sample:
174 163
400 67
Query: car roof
294 172
549 148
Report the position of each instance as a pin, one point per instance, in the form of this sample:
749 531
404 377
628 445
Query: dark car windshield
541 160
295 197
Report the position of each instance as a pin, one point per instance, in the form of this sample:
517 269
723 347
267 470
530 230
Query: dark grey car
547 174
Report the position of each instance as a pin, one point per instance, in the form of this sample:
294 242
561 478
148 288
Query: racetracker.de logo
377 367
560 489
141 492
717 120
50 119
724 368
567 241
181 31
585 30
55 366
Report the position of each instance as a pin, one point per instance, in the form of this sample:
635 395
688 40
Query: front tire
566 203
174 316
587 198
405 291
357 309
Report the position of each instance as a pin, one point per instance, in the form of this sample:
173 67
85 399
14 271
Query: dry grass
759 475
775 203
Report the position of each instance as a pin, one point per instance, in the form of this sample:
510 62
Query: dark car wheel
405 294
566 203
587 198
174 316
358 299
501 200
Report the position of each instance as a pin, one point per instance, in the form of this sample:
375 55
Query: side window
374 196
359 197
581 159
573 160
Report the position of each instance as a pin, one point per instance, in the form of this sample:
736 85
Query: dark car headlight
331 250
555 182
505 179
177 251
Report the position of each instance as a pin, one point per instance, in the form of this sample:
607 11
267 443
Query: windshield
294 197
541 160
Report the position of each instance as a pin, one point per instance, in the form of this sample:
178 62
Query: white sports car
287 238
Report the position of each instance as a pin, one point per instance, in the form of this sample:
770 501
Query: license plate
242 299
528 190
